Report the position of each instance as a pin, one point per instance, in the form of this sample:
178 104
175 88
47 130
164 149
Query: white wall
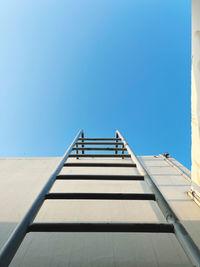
21 179
196 94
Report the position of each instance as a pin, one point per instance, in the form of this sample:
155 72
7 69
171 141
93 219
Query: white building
161 220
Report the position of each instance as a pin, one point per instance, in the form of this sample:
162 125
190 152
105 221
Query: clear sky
99 65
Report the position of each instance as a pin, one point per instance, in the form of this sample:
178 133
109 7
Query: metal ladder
121 150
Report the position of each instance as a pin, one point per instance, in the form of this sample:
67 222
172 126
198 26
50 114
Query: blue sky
97 65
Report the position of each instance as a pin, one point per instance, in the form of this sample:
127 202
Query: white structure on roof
131 200
196 95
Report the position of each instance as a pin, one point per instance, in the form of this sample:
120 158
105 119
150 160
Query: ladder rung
100 148
101 196
99 177
99 143
99 139
102 227
98 164
99 156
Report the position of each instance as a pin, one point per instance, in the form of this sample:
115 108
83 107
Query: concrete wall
22 179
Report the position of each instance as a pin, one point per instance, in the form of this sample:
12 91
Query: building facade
127 210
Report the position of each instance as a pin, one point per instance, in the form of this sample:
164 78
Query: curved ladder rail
10 248
188 245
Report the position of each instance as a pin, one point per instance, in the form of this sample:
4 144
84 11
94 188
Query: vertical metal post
122 151
10 248
116 146
77 151
82 136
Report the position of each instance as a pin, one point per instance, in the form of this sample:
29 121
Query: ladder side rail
187 243
10 247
